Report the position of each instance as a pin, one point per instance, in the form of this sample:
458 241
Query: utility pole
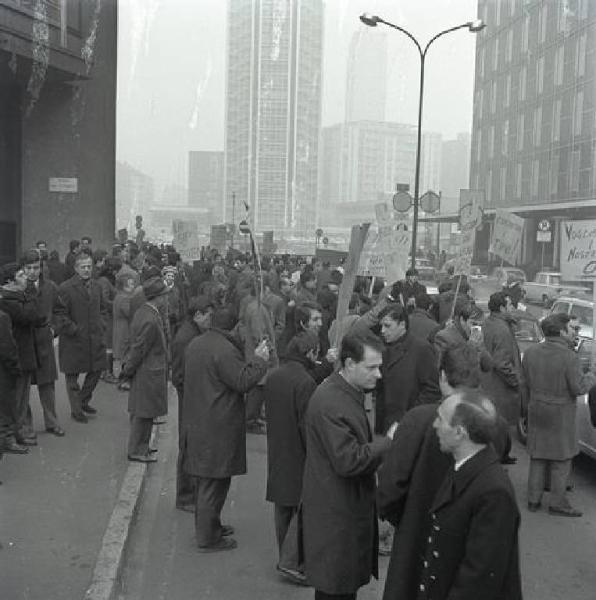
233 217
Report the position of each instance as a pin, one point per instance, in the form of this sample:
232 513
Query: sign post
578 261
543 236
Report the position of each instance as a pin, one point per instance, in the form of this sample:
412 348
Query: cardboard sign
578 250
507 235
371 263
186 239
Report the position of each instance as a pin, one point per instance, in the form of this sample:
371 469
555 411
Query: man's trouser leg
254 403
211 496
139 436
74 393
47 399
24 427
286 530
536 477
7 424
89 384
323 596
185 484
559 477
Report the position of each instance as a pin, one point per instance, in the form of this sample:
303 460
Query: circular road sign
402 201
430 202
243 227
319 232
544 225
325 241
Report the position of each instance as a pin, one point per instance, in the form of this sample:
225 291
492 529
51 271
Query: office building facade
273 113
534 134
205 182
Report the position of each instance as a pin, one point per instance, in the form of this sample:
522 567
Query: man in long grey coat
216 377
79 323
146 365
552 381
338 494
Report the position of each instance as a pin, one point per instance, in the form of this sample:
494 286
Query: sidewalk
56 502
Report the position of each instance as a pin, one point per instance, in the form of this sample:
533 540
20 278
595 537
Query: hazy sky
171 79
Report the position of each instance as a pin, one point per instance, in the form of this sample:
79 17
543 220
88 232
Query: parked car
426 270
548 286
508 275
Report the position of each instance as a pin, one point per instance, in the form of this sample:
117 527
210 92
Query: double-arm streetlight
473 27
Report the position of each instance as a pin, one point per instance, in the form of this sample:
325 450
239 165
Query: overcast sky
171 80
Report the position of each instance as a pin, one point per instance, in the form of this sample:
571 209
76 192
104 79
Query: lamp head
476 26
370 20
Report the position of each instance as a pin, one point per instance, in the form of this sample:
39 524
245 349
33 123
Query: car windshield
584 314
528 331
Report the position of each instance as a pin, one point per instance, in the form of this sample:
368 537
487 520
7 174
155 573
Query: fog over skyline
171 74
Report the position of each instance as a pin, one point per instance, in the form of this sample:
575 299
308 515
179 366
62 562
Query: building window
518 180
535 176
480 98
537 132
497 12
540 75
479 145
491 141
523 78
512 7
580 68
578 113
553 174
489 187
525 33
559 64
583 8
520 133
574 175
509 54
557 120
503 183
481 61
543 22
496 55
493 97
505 138
507 94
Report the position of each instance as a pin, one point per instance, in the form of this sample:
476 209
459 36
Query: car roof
575 300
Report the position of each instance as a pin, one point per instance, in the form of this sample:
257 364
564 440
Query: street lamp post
233 218
473 27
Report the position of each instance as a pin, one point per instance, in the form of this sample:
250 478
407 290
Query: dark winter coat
409 478
187 332
46 371
215 380
287 392
146 364
502 382
79 324
410 377
472 549
25 312
340 534
9 364
421 324
552 381
108 293
122 322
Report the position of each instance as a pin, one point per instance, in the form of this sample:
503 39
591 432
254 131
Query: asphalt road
557 555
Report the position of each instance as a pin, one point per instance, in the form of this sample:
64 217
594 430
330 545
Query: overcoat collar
397 350
339 381
456 482
230 337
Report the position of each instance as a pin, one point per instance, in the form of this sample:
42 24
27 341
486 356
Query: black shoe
14 448
28 441
89 409
294 576
533 506
564 511
225 529
508 460
79 417
142 458
224 543
186 507
57 431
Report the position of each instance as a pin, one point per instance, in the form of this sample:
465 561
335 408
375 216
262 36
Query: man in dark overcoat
146 367
198 320
287 392
502 381
410 373
340 534
216 377
80 325
472 548
552 381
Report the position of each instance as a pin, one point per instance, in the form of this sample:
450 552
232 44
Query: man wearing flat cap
146 366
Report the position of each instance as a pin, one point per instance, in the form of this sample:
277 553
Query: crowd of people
398 413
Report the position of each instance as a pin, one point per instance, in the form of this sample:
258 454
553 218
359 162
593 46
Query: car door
560 307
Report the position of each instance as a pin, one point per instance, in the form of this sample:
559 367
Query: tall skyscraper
430 162
366 76
273 112
533 140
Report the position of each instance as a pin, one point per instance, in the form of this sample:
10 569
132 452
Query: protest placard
578 250
186 239
507 236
